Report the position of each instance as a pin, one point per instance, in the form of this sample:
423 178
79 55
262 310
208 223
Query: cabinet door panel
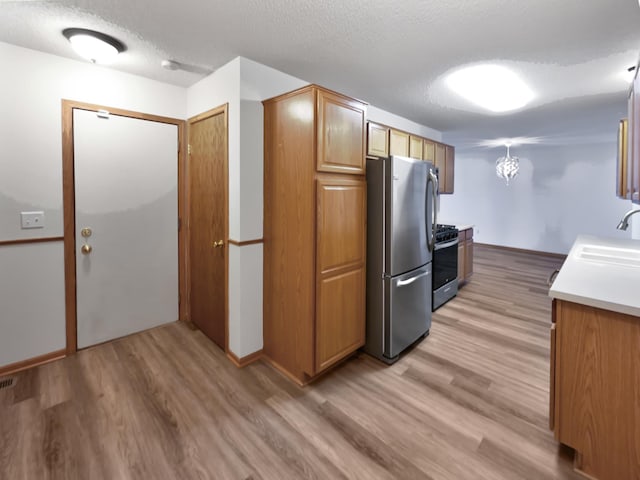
622 163
398 143
340 319
461 260
415 147
341 134
341 227
449 155
552 379
429 151
378 140
468 261
634 136
440 164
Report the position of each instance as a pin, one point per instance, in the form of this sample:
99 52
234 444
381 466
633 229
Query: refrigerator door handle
434 180
402 283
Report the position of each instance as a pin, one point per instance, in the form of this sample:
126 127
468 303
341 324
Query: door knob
86 249
219 243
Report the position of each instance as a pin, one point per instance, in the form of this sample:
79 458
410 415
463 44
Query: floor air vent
6 383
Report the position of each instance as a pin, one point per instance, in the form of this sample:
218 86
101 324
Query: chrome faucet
624 223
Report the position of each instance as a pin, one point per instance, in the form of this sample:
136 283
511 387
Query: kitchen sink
610 255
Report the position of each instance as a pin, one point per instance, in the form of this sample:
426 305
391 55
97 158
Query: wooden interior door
208 249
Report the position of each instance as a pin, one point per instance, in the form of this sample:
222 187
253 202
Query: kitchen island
595 357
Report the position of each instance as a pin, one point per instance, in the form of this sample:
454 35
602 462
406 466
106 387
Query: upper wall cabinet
383 141
429 151
415 147
633 141
622 177
341 144
449 164
378 140
398 143
445 162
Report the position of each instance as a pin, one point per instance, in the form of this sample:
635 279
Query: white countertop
603 273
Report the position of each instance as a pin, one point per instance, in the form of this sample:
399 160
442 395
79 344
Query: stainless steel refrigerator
401 219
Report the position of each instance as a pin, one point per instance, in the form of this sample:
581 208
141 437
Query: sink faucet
624 223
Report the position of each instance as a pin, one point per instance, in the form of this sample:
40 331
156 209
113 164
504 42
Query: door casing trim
69 209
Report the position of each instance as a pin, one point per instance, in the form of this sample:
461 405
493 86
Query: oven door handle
440 246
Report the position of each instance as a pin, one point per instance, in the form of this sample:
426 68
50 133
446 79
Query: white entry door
126 203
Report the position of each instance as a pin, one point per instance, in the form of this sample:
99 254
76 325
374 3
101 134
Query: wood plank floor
469 402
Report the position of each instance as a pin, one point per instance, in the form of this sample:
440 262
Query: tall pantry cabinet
314 230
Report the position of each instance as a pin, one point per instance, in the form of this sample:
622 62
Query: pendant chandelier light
507 167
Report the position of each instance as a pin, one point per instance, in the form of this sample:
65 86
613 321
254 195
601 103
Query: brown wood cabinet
415 147
377 140
383 141
444 159
595 388
398 143
314 231
449 170
429 151
633 139
622 174
465 255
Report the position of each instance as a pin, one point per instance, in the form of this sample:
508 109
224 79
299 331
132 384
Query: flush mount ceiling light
507 167
492 87
96 47
630 74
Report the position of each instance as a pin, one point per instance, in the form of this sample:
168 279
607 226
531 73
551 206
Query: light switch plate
32 219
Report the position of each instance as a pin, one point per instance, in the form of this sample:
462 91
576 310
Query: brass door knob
86 249
218 244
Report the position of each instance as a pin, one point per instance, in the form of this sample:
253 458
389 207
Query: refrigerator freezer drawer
409 297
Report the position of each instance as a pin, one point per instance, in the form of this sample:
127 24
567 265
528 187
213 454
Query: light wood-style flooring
469 402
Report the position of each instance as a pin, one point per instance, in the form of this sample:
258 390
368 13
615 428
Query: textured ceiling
393 54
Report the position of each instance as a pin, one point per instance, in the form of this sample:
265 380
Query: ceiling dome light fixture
630 74
492 87
95 46
507 167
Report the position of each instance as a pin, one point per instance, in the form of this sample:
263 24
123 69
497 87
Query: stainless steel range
445 265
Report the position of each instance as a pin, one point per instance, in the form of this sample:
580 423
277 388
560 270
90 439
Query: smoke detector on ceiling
170 65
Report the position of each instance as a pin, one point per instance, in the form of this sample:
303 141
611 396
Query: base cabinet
314 231
595 389
465 255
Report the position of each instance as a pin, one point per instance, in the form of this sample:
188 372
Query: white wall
31 300
561 191
223 86
32 276
30 127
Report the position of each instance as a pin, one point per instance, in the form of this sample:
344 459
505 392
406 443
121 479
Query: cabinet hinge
189 149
